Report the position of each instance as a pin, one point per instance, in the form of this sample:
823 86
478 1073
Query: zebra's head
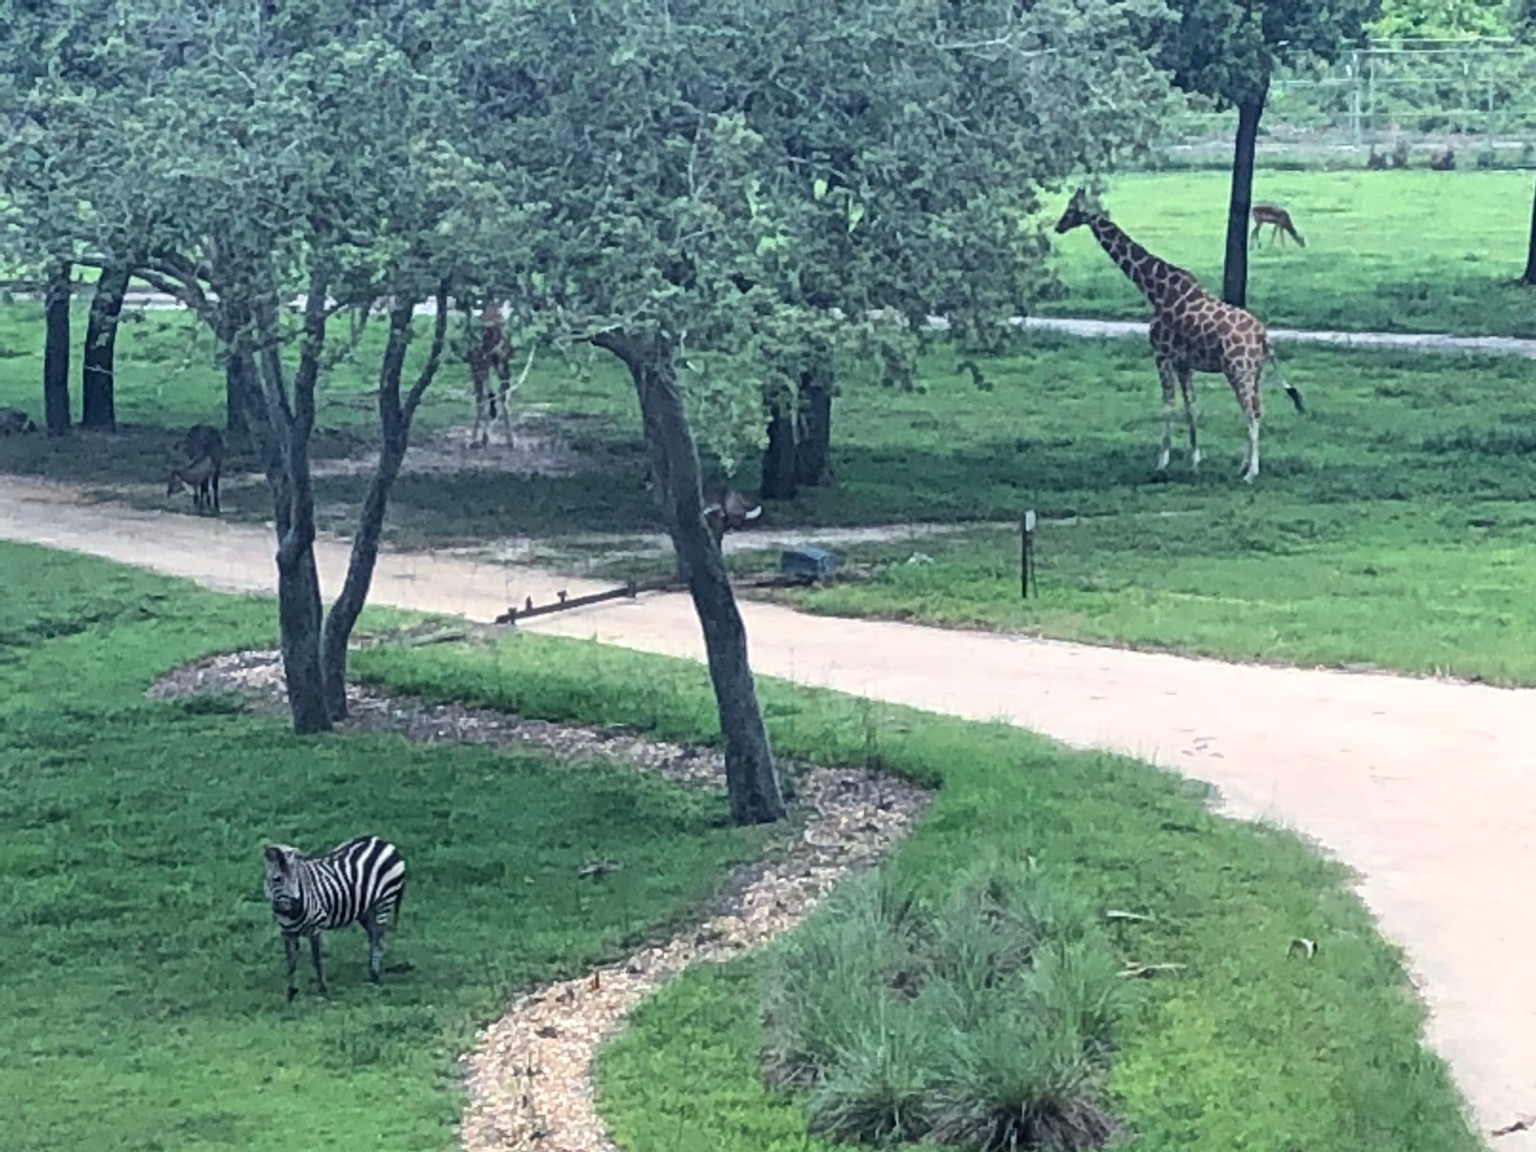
282 880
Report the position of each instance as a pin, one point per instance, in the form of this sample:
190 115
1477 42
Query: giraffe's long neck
1155 279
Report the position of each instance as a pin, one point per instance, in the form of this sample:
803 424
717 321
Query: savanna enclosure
661 293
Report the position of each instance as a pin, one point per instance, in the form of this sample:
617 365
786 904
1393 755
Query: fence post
1354 94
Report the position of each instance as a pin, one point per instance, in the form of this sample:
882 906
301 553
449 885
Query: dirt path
1428 789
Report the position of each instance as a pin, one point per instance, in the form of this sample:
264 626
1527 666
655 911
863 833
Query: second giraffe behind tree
1191 331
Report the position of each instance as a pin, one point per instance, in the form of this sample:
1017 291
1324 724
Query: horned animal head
730 513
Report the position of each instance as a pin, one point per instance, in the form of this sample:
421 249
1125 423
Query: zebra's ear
274 854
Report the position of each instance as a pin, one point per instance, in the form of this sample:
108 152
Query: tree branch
434 354
310 348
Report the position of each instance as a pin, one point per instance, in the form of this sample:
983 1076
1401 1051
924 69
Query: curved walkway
1426 788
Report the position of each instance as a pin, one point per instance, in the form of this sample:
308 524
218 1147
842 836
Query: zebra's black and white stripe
361 881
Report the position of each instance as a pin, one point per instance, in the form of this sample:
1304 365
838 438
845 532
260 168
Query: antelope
15 420
730 513
1279 221
492 353
205 459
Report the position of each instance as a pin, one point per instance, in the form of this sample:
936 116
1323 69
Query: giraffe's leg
481 378
504 374
1187 387
1168 373
1245 382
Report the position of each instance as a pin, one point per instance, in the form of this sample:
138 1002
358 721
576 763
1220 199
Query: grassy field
142 1006
1389 525
1244 1048
1409 251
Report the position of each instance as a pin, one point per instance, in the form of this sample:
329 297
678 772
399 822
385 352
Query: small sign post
1027 555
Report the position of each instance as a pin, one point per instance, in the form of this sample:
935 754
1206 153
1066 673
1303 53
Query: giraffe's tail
1272 365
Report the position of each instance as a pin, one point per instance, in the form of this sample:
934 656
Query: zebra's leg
314 955
291 954
374 926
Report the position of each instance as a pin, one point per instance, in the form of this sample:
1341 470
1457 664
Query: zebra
361 881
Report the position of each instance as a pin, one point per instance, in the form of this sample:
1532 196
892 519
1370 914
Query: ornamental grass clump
983 1018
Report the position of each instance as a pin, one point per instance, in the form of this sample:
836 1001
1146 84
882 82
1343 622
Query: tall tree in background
1229 50
56 301
98 399
254 150
1522 18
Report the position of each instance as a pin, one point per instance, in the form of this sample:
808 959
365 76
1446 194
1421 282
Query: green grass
1395 251
1421 588
1245 1048
142 1006
1389 526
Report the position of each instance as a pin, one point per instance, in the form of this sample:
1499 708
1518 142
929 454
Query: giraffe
493 352
1191 331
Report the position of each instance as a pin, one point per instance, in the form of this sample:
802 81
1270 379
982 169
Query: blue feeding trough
807 563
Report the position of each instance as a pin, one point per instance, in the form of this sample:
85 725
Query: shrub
983 1018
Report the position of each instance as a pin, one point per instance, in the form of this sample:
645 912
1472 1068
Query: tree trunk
236 411
779 458
56 351
354 590
299 615
299 608
813 431
1234 280
1530 258
395 434
98 405
750 776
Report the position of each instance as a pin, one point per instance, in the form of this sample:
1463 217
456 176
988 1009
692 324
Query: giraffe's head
1079 212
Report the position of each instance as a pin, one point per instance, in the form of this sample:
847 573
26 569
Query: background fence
1477 97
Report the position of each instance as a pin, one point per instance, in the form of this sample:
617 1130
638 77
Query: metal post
1354 95
1027 555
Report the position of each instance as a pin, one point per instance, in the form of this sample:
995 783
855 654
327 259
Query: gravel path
1426 788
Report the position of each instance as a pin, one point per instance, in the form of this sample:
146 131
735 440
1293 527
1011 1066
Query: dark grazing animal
15 420
730 513
205 461
359 882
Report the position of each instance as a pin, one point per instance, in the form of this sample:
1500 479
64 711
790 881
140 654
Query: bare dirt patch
536 450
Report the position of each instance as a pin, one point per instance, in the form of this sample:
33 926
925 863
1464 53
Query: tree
907 211
56 300
728 198
1228 50
1522 18
249 149
98 406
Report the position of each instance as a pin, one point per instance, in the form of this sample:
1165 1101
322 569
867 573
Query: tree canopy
711 191
235 155
1229 50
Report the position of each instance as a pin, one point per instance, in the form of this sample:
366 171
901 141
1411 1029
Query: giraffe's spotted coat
1191 331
